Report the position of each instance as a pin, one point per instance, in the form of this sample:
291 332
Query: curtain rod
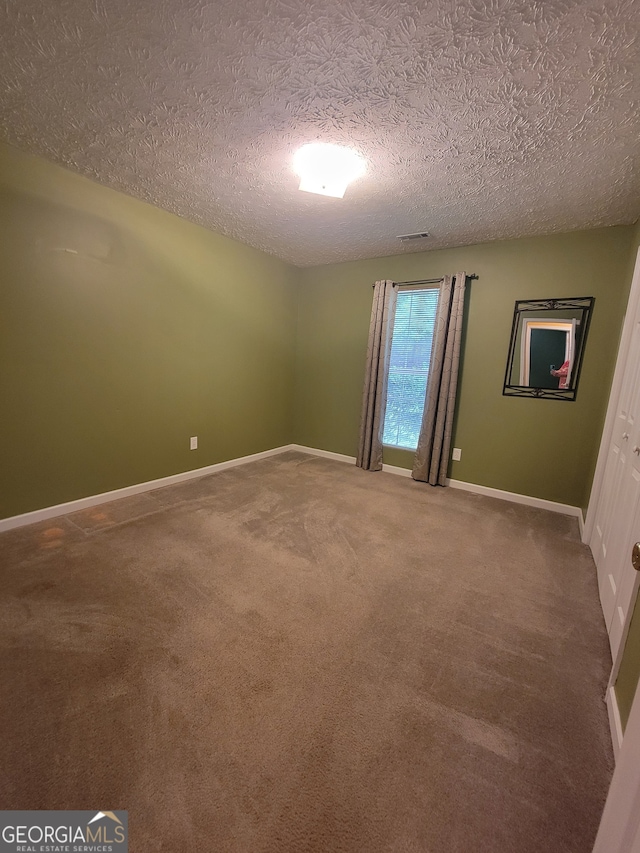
472 277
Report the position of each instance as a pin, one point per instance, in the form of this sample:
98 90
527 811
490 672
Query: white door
617 517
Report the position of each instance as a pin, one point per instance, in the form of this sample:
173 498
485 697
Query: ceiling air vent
419 235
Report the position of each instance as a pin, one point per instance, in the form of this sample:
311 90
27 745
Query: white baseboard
615 723
138 488
127 491
514 497
326 454
581 526
394 469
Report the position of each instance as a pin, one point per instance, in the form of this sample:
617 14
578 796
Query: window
409 366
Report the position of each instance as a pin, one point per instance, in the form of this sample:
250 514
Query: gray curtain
374 395
432 456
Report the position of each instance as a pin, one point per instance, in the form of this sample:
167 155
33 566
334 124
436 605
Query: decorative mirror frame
585 303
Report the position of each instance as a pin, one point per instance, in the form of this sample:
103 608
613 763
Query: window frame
410 289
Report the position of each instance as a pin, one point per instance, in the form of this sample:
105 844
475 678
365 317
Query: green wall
543 448
124 330
629 672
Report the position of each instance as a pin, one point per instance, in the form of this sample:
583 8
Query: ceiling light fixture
327 169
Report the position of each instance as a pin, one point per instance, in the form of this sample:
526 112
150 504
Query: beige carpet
296 655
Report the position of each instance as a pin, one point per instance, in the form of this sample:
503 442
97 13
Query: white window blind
409 366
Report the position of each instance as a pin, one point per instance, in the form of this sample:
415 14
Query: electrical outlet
457 454
193 442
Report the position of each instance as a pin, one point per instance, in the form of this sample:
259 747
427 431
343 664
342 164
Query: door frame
613 712
531 324
619 830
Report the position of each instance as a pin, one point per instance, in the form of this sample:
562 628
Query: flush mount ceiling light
327 169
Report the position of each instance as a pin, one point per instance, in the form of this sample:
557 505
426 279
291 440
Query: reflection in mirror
548 337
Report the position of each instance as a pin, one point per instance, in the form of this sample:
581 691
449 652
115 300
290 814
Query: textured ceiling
479 119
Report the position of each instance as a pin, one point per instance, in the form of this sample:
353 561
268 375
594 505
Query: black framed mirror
548 337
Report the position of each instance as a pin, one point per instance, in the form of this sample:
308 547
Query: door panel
605 507
627 576
608 567
548 348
